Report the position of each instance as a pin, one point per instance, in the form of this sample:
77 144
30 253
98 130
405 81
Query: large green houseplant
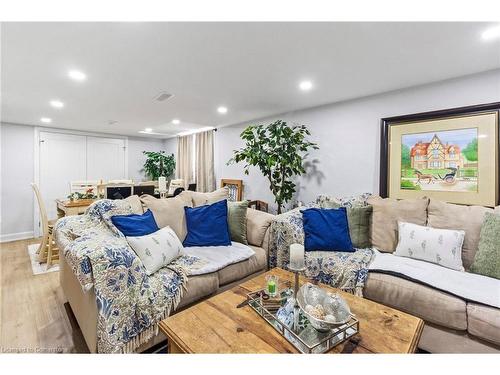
159 164
278 150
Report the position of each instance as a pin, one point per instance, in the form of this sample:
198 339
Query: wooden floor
33 315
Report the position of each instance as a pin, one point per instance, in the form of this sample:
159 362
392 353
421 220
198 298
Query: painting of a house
435 155
440 161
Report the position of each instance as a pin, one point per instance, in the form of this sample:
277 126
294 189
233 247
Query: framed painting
235 188
450 155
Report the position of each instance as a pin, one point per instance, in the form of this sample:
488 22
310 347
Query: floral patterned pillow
440 246
348 201
158 249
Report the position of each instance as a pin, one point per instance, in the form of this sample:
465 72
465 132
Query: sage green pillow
237 220
487 259
359 220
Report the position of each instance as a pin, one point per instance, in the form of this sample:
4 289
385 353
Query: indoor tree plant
278 150
159 164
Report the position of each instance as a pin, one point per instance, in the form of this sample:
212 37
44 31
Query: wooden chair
174 184
48 251
83 186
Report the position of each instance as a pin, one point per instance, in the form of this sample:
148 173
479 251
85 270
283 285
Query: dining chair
48 251
83 186
177 191
174 184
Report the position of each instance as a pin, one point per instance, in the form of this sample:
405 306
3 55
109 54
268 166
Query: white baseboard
15 236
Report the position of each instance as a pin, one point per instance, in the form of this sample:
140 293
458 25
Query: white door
105 159
62 159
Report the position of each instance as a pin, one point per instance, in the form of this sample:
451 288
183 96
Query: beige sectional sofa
83 304
453 324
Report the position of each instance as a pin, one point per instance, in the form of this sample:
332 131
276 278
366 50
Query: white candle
162 184
296 256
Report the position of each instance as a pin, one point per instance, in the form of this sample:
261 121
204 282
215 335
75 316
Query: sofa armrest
258 223
285 230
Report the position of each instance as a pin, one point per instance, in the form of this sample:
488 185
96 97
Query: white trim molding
15 236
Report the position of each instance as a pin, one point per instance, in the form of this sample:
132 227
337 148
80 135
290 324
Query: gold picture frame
235 188
449 155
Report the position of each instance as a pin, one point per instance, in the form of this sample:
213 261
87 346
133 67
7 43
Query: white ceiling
252 68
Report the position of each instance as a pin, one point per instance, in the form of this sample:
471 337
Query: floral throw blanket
346 271
129 302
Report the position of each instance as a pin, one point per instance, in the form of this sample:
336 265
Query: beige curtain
204 161
184 167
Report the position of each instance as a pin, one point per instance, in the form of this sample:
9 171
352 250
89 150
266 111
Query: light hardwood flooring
33 315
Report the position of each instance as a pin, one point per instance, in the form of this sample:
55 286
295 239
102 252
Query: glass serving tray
305 338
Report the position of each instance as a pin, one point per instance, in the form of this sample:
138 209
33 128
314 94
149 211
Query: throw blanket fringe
146 335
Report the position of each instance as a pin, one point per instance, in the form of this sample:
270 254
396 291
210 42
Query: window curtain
204 161
184 166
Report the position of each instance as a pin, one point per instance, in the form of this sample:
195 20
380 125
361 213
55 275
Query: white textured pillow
440 246
158 249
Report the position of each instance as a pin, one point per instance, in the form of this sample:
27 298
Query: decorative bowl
325 311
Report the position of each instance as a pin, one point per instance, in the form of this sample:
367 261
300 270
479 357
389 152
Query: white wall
170 146
16 175
17 172
348 135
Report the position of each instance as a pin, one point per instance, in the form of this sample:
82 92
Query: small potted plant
89 194
159 164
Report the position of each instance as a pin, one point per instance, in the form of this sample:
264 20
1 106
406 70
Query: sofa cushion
484 322
487 258
237 271
465 285
198 287
135 204
386 214
454 216
237 220
169 212
257 224
425 302
200 199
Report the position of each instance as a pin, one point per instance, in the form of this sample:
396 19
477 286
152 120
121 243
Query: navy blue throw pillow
326 230
135 225
207 225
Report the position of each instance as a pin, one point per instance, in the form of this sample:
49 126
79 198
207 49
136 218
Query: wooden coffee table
217 326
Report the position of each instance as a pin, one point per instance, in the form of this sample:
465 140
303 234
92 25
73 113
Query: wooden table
68 208
217 326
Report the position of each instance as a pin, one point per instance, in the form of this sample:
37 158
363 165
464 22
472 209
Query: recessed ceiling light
305 85
56 103
491 33
46 120
77 75
148 130
222 109
176 121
